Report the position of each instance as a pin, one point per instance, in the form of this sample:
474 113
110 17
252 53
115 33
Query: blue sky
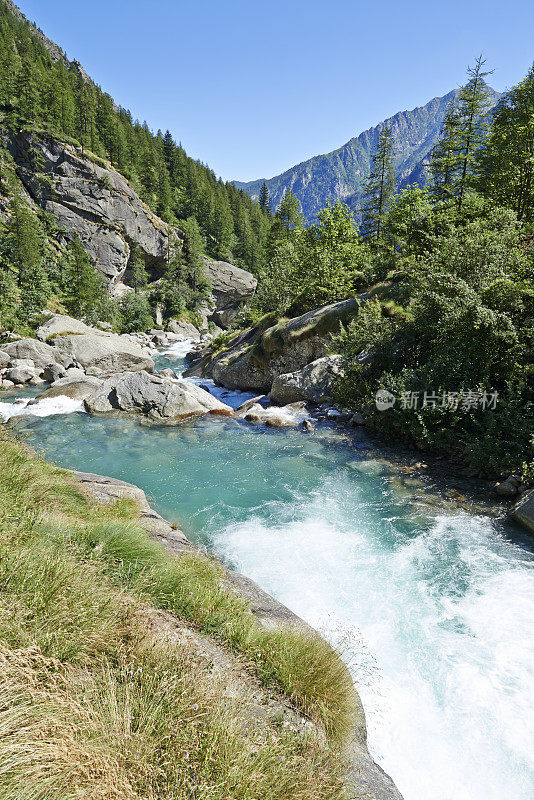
252 88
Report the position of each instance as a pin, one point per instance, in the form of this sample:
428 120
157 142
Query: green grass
93 706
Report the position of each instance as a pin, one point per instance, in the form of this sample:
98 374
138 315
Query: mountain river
433 606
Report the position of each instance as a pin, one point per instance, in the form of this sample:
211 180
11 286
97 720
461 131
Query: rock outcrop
61 325
90 201
106 490
155 397
523 511
102 355
314 383
255 357
231 287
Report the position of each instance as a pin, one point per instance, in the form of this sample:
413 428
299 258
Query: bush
135 313
468 327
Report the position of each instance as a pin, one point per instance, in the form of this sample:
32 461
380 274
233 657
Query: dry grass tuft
92 707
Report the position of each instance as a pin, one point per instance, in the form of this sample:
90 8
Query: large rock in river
183 328
523 511
254 358
40 353
76 388
156 397
102 355
315 382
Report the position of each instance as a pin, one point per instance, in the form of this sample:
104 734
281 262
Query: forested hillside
340 175
42 91
88 194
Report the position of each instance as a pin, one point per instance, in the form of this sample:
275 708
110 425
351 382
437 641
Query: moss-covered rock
255 357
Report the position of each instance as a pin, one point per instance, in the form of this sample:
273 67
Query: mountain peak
339 175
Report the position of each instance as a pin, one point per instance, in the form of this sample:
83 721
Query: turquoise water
434 607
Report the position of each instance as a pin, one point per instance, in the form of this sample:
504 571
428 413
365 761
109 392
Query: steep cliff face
339 175
93 202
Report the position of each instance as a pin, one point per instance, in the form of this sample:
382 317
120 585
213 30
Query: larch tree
473 105
379 187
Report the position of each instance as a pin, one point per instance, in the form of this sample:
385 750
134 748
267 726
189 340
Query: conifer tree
83 282
264 197
473 106
464 130
138 273
289 213
23 254
444 161
288 222
168 152
506 162
379 187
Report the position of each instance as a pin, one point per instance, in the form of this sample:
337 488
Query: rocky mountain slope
339 175
91 201
48 98
78 194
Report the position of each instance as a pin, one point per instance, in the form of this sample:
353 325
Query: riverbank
420 589
92 605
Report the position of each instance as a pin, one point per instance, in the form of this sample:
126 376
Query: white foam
286 415
447 613
179 349
232 397
48 407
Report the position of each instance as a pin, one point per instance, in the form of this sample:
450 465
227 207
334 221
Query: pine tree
265 199
379 186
